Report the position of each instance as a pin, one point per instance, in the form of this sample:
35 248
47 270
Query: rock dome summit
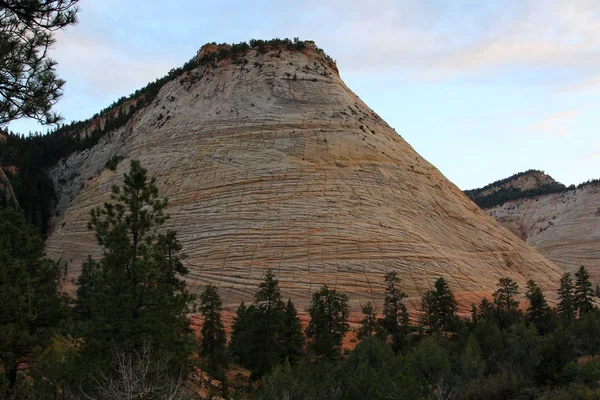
270 161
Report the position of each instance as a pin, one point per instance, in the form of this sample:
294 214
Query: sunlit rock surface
275 163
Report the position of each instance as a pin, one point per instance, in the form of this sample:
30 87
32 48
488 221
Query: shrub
112 163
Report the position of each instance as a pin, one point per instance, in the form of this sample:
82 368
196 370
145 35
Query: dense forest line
126 333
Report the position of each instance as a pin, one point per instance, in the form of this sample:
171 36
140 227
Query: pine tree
583 294
29 86
506 303
369 324
438 308
239 329
31 307
268 298
134 297
395 316
256 339
329 312
291 336
538 307
428 317
485 311
566 298
212 342
265 326
446 305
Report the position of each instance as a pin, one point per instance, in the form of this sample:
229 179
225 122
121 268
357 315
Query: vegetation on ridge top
503 193
487 197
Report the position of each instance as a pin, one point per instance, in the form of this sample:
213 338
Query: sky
482 89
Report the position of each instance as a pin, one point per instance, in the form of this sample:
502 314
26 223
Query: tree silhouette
329 312
29 86
134 296
583 293
566 298
395 319
212 334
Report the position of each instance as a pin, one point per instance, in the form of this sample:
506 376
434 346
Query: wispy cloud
594 154
435 40
106 66
590 84
426 40
556 124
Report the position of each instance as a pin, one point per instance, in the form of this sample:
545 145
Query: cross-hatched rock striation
274 163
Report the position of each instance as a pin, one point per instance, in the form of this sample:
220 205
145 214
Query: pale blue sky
481 89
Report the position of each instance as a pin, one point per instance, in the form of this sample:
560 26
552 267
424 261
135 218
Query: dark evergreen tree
428 317
31 307
439 308
491 342
134 297
369 324
506 303
265 327
395 316
471 362
583 293
538 307
597 291
483 312
554 351
239 329
566 298
291 336
431 362
586 334
329 312
446 305
212 341
29 86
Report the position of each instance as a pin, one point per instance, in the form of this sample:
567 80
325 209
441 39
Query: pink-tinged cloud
557 124
523 34
106 66
594 154
585 85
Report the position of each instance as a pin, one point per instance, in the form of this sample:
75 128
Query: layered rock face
7 194
565 227
274 163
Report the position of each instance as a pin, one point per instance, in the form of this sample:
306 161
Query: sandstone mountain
563 225
270 161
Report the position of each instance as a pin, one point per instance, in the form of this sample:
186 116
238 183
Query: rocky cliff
270 161
565 226
7 195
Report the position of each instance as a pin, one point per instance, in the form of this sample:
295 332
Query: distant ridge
522 185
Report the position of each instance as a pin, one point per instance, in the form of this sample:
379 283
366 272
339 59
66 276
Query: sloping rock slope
274 163
565 227
7 194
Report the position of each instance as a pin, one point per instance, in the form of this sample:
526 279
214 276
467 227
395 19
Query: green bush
112 163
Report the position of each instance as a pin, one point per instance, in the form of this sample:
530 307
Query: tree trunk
11 376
